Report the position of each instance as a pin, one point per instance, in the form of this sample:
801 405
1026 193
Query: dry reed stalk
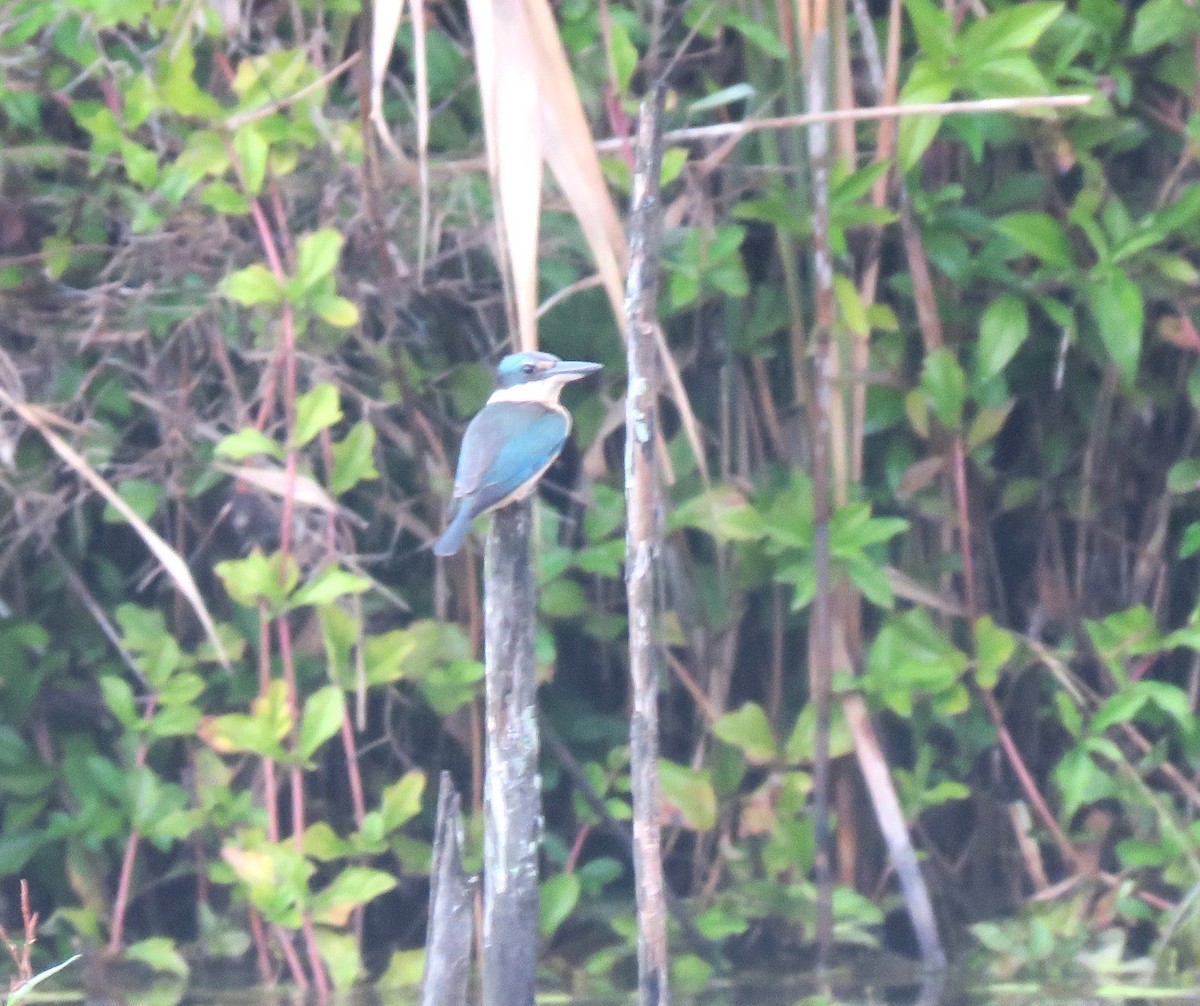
172 563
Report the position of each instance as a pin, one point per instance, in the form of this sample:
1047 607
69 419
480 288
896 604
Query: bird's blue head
531 367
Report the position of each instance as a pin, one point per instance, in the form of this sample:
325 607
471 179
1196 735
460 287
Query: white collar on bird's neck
543 392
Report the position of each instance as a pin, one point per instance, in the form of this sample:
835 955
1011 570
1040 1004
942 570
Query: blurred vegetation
241 332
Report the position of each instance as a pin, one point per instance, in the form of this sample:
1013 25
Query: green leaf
987 423
119 697
688 792
246 443
1003 328
850 306
353 458
1116 304
317 256
933 28
316 410
21 992
339 950
1184 476
354 886
324 712
749 730
725 96
142 496
159 953
405 967
252 149
328 585
255 284
945 387
1038 234
557 898
1159 22
338 311
801 742
1190 543
994 647
259 577
926 85
723 512
141 163
755 31
1013 29
624 55
401 801
224 198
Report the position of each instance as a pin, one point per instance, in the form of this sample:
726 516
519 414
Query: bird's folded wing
505 445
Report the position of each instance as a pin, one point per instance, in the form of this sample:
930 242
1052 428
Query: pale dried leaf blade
170 560
508 92
385 23
305 490
570 150
421 68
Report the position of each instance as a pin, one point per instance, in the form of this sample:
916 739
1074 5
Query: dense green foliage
221 292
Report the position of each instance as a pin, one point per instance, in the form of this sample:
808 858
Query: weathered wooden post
641 544
512 787
451 908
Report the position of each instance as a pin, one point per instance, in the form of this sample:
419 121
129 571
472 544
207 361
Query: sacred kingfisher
513 439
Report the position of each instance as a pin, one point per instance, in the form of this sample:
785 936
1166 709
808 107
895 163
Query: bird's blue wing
506 445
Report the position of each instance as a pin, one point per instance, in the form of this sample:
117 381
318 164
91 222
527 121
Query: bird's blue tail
452 539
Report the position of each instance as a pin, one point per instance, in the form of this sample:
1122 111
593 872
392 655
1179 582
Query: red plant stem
964 528
292 958
293 701
356 787
995 714
270 786
287 355
314 957
577 848
1028 786
325 438
125 881
261 955
121 902
287 659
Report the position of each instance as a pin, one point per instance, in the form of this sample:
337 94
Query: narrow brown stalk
641 547
820 645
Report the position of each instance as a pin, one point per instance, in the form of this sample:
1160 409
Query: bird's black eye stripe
529 368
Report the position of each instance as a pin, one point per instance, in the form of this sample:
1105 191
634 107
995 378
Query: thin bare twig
744 128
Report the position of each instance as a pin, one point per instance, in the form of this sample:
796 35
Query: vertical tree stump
451 903
512 786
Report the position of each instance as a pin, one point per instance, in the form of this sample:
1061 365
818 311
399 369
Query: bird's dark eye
529 368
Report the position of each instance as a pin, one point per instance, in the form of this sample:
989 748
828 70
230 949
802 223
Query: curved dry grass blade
570 151
385 23
171 561
305 490
508 91
421 72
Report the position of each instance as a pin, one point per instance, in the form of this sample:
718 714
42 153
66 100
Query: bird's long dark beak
572 370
